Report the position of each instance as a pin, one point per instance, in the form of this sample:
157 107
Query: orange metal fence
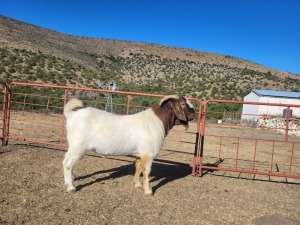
35 114
247 144
225 142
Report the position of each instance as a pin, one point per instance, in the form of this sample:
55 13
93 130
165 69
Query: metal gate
249 145
35 115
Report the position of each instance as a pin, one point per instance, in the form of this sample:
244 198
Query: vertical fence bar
202 118
24 104
291 161
62 137
3 119
197 165
272 160
220 149
8 109
196 152
48 101
4 114
254 158
237 152
128 104
287 121
200 163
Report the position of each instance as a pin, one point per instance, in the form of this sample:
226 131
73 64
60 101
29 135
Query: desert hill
35 54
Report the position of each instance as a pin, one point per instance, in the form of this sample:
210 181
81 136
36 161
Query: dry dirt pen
32 190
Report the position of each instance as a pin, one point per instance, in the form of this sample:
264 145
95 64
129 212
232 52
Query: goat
140 135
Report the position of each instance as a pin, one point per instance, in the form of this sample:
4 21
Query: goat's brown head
180 111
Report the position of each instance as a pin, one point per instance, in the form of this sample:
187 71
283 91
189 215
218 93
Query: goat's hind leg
146 168
68 163
138 171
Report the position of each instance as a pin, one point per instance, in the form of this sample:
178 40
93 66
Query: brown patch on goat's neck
166 115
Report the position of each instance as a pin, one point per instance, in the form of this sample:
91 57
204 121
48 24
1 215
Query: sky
266 32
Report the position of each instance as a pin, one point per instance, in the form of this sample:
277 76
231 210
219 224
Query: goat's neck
166 115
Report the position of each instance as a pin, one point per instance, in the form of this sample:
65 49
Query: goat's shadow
164 173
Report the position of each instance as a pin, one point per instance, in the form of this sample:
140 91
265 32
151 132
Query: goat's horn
167 98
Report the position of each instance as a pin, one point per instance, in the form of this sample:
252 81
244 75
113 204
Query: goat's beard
186 127
183 123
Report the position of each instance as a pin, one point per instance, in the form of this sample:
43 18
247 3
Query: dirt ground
32 192
32 189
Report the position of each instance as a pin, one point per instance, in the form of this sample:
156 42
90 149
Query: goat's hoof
138 185
71 189
148 192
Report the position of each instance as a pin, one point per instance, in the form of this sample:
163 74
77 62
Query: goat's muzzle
190 114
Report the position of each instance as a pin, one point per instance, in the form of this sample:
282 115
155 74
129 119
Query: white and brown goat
140 135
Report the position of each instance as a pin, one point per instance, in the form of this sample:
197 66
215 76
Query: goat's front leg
146 169
138 171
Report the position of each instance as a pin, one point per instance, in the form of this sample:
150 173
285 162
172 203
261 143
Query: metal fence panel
263 145
36 116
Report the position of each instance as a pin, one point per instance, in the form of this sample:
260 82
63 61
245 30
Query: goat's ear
178 110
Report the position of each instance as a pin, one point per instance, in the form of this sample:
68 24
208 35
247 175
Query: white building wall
278 110
251 112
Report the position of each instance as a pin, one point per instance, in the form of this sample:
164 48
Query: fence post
7 114
4 114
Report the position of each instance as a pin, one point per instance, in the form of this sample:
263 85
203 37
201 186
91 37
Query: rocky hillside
34 54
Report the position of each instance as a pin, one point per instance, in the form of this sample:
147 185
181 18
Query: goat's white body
139 135
109 134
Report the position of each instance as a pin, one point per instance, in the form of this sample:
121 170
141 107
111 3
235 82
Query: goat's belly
107 150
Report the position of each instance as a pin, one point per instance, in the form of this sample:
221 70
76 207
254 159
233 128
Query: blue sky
266 32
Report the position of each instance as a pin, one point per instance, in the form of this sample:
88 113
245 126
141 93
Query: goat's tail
72 104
